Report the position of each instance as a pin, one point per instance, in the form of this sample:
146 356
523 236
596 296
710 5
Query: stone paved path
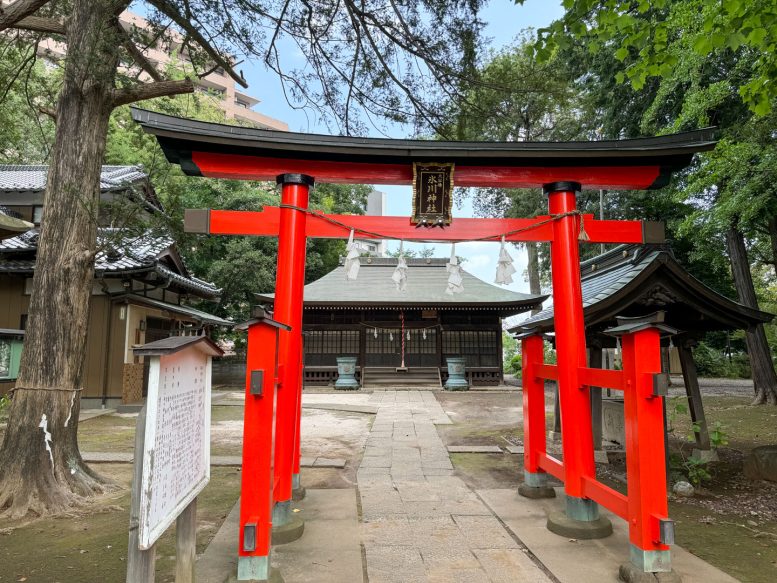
420 523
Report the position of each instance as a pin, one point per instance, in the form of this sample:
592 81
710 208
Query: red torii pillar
289 290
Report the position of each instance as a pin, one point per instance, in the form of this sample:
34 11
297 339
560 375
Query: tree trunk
42 468
533 268
764 377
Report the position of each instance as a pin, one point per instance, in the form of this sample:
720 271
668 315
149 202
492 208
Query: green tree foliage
642 33
240 266
26 133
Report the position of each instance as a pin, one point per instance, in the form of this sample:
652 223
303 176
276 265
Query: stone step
389 376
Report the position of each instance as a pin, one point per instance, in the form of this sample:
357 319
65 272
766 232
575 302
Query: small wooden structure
172 453
637 280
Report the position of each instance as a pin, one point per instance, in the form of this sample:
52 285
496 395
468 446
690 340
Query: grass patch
728 542
91 547
109 433
746 425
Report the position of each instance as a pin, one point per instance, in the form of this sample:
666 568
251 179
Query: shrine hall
368 318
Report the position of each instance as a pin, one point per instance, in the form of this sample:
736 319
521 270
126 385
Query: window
37 214
480 348
241 103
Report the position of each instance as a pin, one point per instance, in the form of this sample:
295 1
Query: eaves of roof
194 313
608 293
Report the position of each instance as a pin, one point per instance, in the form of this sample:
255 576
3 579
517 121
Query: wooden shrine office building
365 318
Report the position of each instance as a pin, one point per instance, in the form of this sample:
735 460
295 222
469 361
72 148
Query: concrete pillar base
535 486
286 526
298 494
256 570
628 573
554 436
289 532
650 561
560 524
581 520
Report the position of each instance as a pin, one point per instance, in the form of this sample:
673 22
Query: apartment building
218 85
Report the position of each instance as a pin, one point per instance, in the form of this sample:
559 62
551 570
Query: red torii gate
271 472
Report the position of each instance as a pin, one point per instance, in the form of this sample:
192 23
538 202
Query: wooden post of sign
186 543
595 361
140 564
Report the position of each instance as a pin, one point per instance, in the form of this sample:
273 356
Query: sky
504 21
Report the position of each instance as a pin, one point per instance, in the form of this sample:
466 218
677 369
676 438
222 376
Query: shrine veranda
274 377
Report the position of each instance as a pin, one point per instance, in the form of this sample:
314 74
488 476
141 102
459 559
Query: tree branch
39 24
13 13
151 90
187 26
137 55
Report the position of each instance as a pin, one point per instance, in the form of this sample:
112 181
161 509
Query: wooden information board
176 455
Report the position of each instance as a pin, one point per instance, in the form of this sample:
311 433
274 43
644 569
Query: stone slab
515 449
87 414
107 457
329 463
114 457
319 556
602 558
474 449
367 409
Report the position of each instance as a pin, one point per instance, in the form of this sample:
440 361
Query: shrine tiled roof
426 284
118 254
615 282
27 178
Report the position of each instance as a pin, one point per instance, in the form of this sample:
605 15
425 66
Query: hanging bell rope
352 263
504 266
455 280
399 277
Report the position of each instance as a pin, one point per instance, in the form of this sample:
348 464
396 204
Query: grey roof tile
118 253
25 178
605 276
426 285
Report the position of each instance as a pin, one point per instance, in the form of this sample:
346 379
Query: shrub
513 366
714 363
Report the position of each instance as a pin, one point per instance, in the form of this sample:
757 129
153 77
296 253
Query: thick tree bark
42 469
764 377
